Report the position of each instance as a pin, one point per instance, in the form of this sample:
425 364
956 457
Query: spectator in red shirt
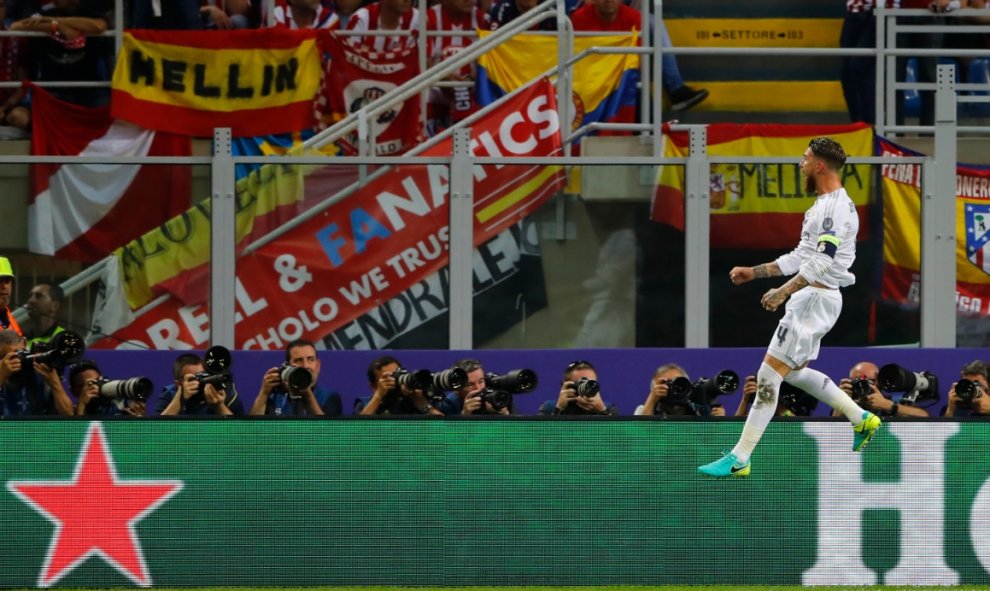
13 68
446 106
304 14
606 15
616 16
385 15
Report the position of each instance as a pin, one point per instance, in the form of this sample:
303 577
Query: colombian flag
902 232
604 85
760 205
256 82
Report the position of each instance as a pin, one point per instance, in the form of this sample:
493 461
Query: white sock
764 408
823 388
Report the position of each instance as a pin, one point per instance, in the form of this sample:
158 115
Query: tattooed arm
740 275
775 297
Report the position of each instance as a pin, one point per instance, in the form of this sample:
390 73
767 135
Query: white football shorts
808 316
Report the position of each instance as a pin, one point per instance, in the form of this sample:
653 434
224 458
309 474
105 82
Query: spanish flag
256 82
760 206
604 84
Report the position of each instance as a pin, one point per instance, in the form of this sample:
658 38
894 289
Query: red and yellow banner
364 250
760 205
256 82
902 232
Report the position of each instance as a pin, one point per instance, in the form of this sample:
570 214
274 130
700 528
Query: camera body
586 388
861 388
678 390
217 362
294 380
498 399
420 379
500 388
706 390
697 398
134 389
63 349
967 391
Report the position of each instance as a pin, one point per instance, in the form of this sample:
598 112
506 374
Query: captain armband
828 243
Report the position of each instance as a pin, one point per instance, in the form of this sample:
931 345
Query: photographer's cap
6 270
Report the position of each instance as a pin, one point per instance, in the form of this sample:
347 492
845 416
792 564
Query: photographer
865 375
185 397
84 381
28 390
792 401
579 394
277 398
972 395
658 401
469 400
42 306
388 397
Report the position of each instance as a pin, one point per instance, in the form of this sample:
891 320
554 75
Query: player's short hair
829 151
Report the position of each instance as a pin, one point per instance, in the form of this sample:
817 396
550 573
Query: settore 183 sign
757 32
150 502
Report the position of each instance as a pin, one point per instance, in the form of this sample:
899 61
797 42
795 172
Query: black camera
421 379
517 381
796 400
294 380
678 390
968 391
861 388
586 388
706 390
134 389
498 399
217 362
63 349
917 386
500 388
454 378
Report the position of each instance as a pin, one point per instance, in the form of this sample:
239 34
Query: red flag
357 76
83 211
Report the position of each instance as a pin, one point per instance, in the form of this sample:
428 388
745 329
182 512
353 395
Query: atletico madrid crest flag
902 232
357 76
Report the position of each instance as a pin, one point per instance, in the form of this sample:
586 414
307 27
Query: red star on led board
95 513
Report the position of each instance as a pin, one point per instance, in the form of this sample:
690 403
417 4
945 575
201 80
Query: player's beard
810 186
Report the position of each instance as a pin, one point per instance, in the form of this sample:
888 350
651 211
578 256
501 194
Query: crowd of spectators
71 46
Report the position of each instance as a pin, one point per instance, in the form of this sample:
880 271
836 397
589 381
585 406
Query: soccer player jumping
821 263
